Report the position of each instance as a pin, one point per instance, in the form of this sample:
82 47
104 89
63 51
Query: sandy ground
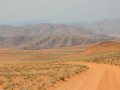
98 77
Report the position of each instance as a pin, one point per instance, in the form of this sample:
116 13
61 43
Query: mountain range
45 36
105 27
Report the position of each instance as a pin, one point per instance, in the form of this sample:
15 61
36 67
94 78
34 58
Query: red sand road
98 77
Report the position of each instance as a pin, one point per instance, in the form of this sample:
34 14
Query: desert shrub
32 76
112 58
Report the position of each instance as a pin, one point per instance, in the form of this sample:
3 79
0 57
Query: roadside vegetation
35 76
106 58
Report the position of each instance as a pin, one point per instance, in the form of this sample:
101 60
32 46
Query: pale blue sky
58 10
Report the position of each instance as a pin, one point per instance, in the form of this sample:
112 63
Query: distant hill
106 27
45 36
103 47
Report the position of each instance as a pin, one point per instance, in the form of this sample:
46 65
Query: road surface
98 77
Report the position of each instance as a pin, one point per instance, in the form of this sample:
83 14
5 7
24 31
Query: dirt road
98 77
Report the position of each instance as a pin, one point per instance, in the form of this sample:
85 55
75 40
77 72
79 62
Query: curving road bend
98 77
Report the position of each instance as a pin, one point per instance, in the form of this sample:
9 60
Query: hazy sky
58 10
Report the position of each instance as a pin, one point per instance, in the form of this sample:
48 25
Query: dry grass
35 76
35 70
112 58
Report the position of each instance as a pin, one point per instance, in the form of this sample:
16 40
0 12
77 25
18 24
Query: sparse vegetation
35 76
106 58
